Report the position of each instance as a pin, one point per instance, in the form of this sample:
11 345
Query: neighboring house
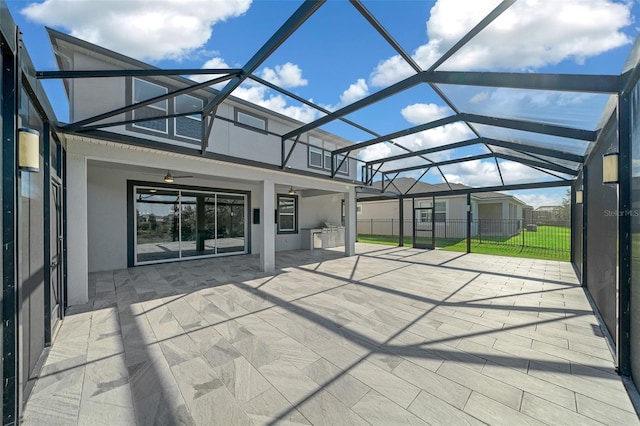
147 191
492 213
546 213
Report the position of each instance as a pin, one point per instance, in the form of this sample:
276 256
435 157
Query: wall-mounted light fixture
28 150
610 168
579 196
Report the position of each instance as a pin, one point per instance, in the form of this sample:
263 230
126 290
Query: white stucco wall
107 211
109 168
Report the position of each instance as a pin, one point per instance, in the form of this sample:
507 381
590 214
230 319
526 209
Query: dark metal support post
64 228
401 218
571 223
46 200
585 218
285 159
206 129
9 237
624 235
468 222
373 174
413 222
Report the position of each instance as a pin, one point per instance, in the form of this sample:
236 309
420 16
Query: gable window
250 120
142 91
287 214
188 126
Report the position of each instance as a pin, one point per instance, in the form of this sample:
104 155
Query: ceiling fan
169 177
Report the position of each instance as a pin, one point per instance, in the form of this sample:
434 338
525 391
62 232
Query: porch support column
350 222
267 220
77 231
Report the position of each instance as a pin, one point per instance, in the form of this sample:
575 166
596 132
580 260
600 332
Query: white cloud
424 113
375 152
260 95
143 29
351 94
473 173
213 63
530 34
419 114
480 173
216 62
537 200
287 75
356 91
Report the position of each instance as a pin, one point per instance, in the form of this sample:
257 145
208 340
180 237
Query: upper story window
344 167
327 155
188 126
143 90
246 119
320 155
315 156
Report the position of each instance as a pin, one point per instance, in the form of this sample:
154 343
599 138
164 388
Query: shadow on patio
392 335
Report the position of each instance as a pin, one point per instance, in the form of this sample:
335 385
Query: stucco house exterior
492 213
139 196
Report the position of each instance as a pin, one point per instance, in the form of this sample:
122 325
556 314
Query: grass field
550 242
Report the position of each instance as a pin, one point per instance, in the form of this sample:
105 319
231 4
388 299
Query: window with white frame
320 156
344 167
142 91
246 119
315 156
328 147
439 211
188 126
287 214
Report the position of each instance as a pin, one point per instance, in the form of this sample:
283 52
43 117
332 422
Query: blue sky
337 58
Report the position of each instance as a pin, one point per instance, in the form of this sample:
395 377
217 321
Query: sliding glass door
177 224
157 225
231 223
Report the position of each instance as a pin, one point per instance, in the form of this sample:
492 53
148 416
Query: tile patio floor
391 336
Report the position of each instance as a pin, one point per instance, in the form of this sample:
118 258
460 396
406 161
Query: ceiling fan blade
184 176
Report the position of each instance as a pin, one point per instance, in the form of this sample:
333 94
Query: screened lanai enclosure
488 123
482 124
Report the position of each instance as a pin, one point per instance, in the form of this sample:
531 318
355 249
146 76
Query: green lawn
550 242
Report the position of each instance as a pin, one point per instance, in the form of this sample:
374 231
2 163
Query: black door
31 330
56 256
423 226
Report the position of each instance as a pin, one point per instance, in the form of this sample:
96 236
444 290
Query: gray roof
402 185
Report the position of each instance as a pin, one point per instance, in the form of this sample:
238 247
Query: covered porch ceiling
551 133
